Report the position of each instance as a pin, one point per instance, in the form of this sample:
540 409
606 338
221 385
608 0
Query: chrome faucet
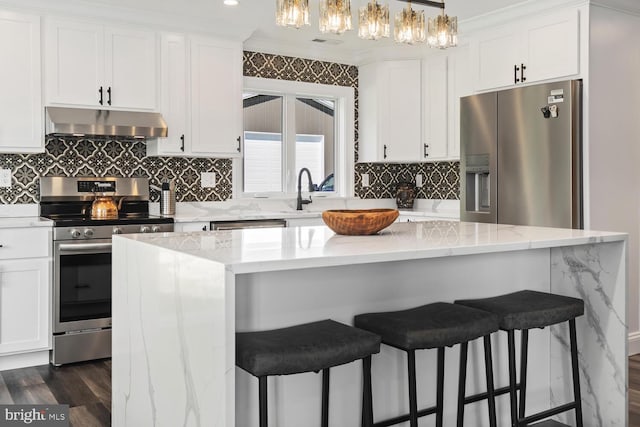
300 201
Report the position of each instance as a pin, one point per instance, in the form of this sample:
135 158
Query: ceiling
253 22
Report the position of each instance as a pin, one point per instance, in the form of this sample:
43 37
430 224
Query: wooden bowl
358 222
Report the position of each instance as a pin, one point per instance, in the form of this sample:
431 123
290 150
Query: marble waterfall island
179 298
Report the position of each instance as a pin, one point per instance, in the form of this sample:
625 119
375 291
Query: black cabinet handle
384 154
204 228
101 100
109 93
425 150
239 148
522 77
182 142
515 74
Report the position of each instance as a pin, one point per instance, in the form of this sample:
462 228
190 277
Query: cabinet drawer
25 243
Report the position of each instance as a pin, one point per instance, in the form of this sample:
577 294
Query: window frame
344 97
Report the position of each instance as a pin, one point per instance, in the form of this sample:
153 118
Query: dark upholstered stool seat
529 309
429 326
303 348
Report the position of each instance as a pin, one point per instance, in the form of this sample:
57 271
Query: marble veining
180 297
591 273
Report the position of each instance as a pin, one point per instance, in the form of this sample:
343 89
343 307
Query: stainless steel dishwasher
249 223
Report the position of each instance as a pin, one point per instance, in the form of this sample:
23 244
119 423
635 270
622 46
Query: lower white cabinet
25 308
185 227
304 222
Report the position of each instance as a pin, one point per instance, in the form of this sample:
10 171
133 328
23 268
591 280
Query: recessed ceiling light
231 2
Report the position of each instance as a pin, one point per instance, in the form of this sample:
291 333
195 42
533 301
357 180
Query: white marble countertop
257 250
25 222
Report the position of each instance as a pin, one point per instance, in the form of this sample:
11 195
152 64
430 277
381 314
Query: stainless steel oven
82 260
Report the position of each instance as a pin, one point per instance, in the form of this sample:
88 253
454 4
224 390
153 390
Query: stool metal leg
462 382
576 372
325 398
262 400
440 395
512 377
488 364
524 350
413 400
367 399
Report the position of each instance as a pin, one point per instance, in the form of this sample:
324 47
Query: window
289 126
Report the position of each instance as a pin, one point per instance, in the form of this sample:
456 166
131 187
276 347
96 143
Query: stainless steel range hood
79 122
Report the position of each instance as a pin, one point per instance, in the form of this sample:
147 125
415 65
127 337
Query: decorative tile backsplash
440 180
107 157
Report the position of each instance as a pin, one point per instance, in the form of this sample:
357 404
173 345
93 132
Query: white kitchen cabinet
390 111
21 115
536 49
24 305
92 65
25 282
459 85
435 103
201 97
185 227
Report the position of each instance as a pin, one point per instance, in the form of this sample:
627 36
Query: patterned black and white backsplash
108 157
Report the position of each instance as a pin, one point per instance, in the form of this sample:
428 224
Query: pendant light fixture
292 13
373 22
335 16
442 31
409 26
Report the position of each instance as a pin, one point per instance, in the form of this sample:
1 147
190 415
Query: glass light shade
335 16
443 32
373 22
409 26
292 13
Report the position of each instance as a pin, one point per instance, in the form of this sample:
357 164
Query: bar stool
526 310
311 347
436 325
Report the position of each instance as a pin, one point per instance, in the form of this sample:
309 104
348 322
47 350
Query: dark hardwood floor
86 388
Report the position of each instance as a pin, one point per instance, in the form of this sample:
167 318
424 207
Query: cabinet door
400 111
216 97
74 63
460 85
496 53
20 84
131 67
173 96
185 227
552 46
435 102
24 305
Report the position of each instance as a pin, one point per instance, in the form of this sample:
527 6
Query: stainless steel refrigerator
520 156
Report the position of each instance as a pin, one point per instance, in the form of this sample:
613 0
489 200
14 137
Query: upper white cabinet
435 105
536 49
390 111
99 66
21 114
201 97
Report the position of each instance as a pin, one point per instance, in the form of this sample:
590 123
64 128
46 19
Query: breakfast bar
179 299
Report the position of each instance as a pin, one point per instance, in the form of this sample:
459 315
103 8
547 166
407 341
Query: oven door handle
77 247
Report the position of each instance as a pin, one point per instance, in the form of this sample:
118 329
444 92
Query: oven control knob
116 230
75 233
145 229
88 232
155 228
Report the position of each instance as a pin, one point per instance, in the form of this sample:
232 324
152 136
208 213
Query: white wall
614 138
